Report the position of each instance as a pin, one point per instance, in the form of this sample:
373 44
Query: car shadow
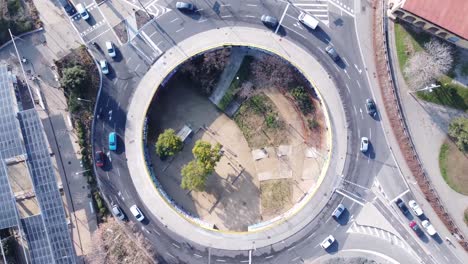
344 218
376 116
91 21
281 31
437 239
107 163
333 248
118 55
319 33
120 145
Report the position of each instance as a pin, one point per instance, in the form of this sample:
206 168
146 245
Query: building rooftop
448 14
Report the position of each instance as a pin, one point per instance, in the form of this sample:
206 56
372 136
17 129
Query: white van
308 20
82 11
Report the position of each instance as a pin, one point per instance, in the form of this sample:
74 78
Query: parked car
137 213
99 158
329 240
413 225
415 208
118 212
402 206
68 7
370 107
110 49
104 66
184 6
332 53
429 228
269 21
82 11
338 211
364 144
113 141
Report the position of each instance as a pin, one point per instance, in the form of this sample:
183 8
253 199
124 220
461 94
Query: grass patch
241 75
260 122
275 195
466 216
407 42
453 166
449 94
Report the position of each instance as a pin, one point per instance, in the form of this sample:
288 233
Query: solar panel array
45 186
10 139
8 214
36 235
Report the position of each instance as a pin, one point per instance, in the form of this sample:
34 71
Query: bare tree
272 70
424 67
114 242
246 90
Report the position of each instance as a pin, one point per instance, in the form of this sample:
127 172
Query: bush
313 124
271 120
458 130
13 7
302 100
257 103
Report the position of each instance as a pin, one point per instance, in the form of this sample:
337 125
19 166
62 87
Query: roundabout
184 234
267 233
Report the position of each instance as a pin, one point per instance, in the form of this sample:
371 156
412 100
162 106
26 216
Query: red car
99 158
415 228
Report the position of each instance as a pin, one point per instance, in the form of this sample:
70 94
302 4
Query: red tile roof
449 14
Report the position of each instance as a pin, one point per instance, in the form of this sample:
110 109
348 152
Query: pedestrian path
380 233
317 8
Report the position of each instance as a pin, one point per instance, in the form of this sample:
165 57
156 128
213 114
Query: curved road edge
145 91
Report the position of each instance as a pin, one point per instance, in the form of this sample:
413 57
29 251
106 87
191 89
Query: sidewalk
163 211
41 49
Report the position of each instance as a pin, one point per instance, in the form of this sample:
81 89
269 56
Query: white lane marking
175 19
362 116
250 16
125 85
157 233
370 133
347 74
347 87
107 174
358 83
349 197
346 11
177 31
221 260
138 66
203 20
151 42
295 32
359 70
446 258
251 5
175 245
200 9
269 257
118 171
102 33
198 256
224 5
336 67
90 5
226 16
282 17
355 111
129 59
399 196
91 207
291 248
170 254
310 235
345 61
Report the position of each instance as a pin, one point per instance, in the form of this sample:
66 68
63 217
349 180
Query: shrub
168 144
313 124
13 7
302 100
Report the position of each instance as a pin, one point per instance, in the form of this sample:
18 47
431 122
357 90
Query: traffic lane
92 27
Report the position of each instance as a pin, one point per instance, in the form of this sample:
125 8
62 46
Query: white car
364 144
429 228
110 49
104 66
415 208
82 10
118 212
327 242
137 213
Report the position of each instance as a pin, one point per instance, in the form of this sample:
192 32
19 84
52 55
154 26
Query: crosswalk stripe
318 5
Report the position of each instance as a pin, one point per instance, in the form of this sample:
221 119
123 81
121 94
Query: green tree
193 176
74 79
302 99
458 129
207 155
168 144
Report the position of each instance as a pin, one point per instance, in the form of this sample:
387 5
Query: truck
308 20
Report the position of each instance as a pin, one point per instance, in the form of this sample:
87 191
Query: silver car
117 212
338 211
184 6
364 144
269 21
332 53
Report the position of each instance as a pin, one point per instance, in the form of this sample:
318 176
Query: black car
402 206
269 21
69 8
99 158
332 53
370 107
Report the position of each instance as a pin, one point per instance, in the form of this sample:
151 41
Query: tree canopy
168 144
207 155
193 176
458 129
74 79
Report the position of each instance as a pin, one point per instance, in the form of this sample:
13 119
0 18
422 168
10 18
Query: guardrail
404 136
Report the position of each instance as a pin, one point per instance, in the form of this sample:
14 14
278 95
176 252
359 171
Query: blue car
113 141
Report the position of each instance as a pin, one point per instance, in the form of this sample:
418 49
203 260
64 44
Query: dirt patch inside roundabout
269 122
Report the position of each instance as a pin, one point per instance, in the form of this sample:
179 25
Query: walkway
148 86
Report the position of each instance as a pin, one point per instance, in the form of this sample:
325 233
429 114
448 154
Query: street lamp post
84 100
427 88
